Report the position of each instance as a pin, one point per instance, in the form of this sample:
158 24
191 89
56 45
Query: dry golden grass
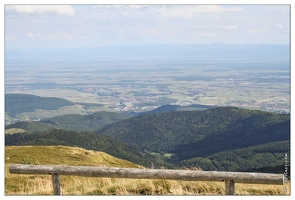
16 184
14 130
71 185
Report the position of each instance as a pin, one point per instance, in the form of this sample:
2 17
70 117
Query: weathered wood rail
230 178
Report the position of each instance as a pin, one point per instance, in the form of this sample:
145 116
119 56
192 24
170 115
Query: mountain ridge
18 103
183 139
76 122
162 131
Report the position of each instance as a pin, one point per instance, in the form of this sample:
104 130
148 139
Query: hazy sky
44 26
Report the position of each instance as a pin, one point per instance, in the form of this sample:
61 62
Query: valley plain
136 87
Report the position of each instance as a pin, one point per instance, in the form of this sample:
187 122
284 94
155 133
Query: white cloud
66 36
174 11
233 9
61 35
229 27
49 36
210 8
279 26
10 37
137 24
255 31
189 11
120 6
31 35
102 6
41 9
208 34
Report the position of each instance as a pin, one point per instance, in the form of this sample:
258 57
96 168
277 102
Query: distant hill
25 107
170 108
88 141
36 126
200 134
18 103
166 131
75 122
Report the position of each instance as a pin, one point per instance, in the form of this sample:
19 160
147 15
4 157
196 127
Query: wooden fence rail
230 178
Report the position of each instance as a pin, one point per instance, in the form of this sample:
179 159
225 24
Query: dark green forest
252 158
222 138
227 127
18 103
92 122
170 108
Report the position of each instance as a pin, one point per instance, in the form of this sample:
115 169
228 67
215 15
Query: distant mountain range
213 52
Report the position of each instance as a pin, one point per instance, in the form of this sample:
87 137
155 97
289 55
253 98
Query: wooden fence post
229 187
56 184
230 178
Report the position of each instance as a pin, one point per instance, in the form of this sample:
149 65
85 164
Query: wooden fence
230 178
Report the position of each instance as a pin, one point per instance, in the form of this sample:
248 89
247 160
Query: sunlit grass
14 130
73 185
17 184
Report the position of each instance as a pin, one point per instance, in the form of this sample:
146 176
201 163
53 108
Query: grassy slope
52 155
62 155
14 130
16 184
85 140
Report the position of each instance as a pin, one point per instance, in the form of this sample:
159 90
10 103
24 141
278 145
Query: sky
85 25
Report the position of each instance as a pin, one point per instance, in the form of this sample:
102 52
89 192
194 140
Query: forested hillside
170 108
222 138
197 138
75 122
168 131
269 156
18 103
